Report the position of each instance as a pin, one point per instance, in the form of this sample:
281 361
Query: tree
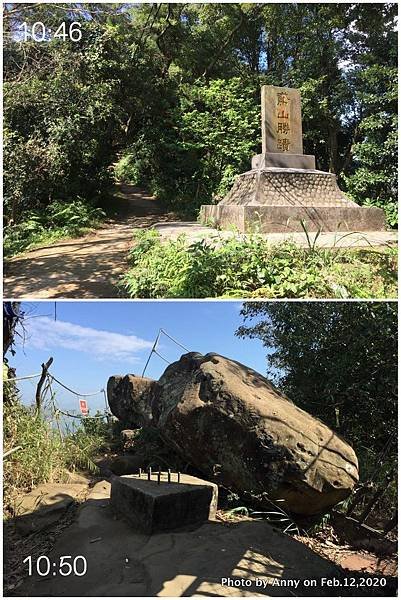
11 317
173 91
336 360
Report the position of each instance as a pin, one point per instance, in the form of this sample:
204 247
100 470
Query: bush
44 456
58 220
212 132
251 267
128 170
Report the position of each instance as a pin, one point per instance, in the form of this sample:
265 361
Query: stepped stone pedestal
283 192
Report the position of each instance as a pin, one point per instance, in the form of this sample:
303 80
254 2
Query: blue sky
90 341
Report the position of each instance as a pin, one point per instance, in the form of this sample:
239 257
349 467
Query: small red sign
83 405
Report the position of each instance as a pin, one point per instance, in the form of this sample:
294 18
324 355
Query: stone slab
44 505
286 161
281 120
194 232
151 507
270 219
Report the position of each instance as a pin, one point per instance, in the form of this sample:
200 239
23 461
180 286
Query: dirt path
90 266
192 561
188 562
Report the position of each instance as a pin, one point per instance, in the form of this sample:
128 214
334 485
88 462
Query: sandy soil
215 559
86 267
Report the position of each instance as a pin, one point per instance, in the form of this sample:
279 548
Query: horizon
91 341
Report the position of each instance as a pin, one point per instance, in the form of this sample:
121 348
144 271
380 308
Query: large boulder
233 425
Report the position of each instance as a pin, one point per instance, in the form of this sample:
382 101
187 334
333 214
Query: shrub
251 267
44 456
58 220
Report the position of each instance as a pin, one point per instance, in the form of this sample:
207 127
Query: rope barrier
162 357
175 341
67 414
73 391
154 351
21 378
57 409
51 377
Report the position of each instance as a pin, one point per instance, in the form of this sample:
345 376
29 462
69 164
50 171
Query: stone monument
283 191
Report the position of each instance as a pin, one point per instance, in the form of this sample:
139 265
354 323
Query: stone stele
283 191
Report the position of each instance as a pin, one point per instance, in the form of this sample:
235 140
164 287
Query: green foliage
252 268
373 178
169 94
44 456
213 132
96 425
338 361
128 169
59 220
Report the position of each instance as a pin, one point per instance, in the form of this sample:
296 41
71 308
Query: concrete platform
279 219
153 507
194 232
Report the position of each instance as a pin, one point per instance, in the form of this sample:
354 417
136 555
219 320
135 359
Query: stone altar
283 191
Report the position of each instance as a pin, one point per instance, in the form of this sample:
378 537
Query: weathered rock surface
231 423
45 504
126 464
130 399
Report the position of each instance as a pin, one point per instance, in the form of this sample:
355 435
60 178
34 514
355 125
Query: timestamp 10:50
38 32
65 566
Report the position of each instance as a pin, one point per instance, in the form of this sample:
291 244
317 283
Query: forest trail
89 266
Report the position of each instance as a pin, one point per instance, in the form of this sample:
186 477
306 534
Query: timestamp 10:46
38 32
65 565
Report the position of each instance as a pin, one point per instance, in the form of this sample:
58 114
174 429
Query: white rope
21 378
73 391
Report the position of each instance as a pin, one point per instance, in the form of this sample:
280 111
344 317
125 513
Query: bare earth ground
90 266
187 562
86 267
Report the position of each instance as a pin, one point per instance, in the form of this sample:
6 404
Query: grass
45 226
44 456
250 267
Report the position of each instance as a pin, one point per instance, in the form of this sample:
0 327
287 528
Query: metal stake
178 477
169 476
140 472
149 473
158 477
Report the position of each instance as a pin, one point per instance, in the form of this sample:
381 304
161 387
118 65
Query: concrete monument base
276 219
281 160
274 199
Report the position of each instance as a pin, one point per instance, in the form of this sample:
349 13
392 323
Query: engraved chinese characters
281 120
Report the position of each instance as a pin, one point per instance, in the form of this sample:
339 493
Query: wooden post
45 368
